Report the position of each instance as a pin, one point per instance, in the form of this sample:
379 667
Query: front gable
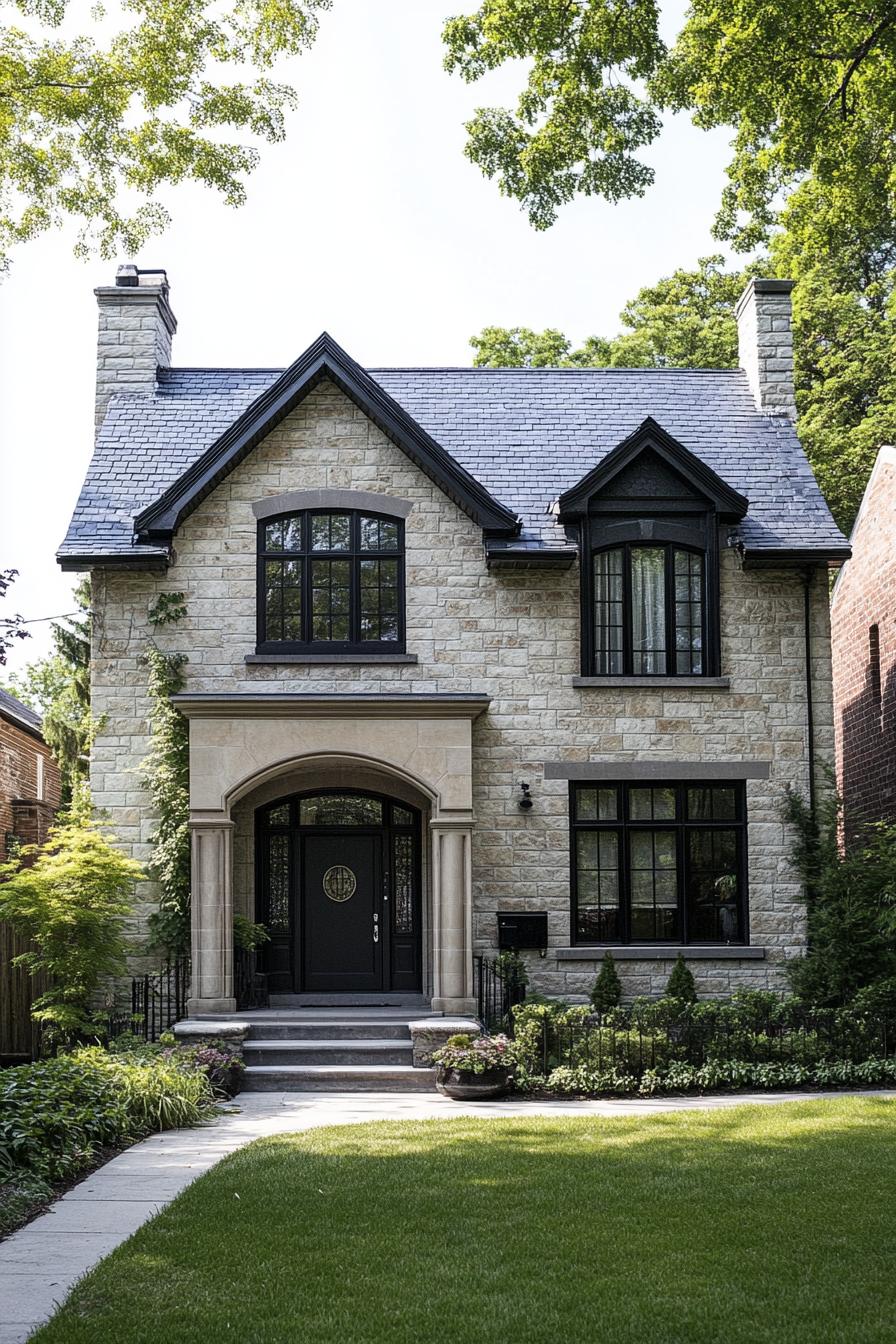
325 359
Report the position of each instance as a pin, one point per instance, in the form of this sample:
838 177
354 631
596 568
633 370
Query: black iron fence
497 993
633 1043
157 1001
250 986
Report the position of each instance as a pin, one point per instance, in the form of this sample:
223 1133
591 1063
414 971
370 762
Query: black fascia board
76 563
324 359
789 557
730 505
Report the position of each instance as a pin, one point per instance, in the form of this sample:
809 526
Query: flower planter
465 1085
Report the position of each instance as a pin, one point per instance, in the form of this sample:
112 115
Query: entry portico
249 749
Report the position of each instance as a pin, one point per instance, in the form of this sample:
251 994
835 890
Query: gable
651 468
325 359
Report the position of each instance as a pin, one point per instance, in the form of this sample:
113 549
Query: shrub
850 904
56 1116
72 903
475 1056
713 1076
607 989
681 985
248 936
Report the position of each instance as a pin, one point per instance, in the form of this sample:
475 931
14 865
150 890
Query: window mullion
628 657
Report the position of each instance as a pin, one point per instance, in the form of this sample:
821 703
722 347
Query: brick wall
863 628
513 636
22 813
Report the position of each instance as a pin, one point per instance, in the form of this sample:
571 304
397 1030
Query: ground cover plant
771 1223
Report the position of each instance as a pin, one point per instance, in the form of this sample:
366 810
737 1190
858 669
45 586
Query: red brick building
29 778
863 630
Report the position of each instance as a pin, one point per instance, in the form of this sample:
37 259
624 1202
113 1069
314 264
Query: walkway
40 1264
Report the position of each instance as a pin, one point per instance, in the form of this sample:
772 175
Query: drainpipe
810 717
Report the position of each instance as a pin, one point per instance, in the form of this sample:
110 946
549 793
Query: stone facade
511 636
29 787
863 623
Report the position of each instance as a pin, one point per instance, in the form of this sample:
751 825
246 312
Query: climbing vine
166 776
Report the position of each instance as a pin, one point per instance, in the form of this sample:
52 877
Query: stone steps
345 1051
315 1030
338 1078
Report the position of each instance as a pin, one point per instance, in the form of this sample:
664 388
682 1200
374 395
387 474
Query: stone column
212 917
452 917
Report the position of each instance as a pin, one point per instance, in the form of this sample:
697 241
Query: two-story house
421 599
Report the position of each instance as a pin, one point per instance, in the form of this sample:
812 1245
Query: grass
772 1223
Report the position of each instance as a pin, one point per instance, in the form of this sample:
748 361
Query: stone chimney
765 345
136 325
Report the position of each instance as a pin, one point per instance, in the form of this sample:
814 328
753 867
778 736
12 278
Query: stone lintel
299 705
645 771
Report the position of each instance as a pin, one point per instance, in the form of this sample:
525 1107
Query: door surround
241 740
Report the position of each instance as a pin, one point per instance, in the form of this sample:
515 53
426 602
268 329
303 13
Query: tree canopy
91 126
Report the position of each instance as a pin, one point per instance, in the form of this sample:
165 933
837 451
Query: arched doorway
338 886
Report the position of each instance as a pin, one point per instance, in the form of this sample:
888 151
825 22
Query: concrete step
349 1052
338 1078
313 1030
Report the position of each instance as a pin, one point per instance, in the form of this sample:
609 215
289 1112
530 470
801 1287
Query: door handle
376 928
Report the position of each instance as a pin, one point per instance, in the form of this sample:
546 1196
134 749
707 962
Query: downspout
810 716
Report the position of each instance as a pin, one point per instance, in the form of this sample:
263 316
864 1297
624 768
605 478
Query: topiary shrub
680 985
607 990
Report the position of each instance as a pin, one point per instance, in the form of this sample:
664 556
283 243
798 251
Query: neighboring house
29 797
29 778
863 634
420 598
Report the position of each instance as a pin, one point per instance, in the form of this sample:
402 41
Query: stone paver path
40 1264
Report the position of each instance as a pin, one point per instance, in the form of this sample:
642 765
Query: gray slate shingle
14 709
526 434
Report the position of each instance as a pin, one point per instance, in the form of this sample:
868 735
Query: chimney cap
756 285
129 276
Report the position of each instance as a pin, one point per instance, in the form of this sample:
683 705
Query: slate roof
527 435
11 708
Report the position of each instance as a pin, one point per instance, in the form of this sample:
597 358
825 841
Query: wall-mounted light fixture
525 802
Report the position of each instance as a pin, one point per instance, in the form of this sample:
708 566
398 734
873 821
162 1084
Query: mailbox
519 931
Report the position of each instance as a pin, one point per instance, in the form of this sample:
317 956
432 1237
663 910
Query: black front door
342 940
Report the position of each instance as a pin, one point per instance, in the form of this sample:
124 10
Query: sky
367 222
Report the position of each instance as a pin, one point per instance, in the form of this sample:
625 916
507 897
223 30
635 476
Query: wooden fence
19 1036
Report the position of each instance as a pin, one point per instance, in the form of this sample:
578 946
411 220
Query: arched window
331 582
649 610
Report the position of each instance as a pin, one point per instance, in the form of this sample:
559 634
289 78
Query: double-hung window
331 581
658 863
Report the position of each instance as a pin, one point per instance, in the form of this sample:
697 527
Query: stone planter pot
464 1085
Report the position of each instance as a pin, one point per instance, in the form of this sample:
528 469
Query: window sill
657 683
666 952
300 658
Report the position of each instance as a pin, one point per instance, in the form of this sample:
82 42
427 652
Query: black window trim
709 626
354 555
680 825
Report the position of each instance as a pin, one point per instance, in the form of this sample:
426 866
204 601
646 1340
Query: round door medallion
339 882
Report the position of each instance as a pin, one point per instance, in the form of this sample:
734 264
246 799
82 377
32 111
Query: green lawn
752 1224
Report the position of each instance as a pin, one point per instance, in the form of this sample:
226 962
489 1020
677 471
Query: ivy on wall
166 776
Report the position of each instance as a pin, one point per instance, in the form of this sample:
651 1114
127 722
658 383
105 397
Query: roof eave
79 563
795 557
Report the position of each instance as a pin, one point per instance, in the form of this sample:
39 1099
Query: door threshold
371 999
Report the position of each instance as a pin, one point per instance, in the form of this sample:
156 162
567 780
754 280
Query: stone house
863 637
465 646
29 778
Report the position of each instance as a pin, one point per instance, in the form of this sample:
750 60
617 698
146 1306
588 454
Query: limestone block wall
513 636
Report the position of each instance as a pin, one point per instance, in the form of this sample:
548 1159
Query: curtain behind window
648 610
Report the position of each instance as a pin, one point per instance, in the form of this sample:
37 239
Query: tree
680 984
71 898
58 687
11 627
808 85
683 321
83 123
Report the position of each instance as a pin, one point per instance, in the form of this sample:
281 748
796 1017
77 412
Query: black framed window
658 863
649 610
331 581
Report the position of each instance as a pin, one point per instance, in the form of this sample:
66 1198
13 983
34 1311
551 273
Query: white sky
367 221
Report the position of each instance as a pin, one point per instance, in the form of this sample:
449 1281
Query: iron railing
157 1001
497 993
625 1041
250 986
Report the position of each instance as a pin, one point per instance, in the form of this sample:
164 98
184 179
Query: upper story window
649 610
648 519
331 581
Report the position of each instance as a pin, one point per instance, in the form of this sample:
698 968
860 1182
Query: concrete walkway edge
40 1264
